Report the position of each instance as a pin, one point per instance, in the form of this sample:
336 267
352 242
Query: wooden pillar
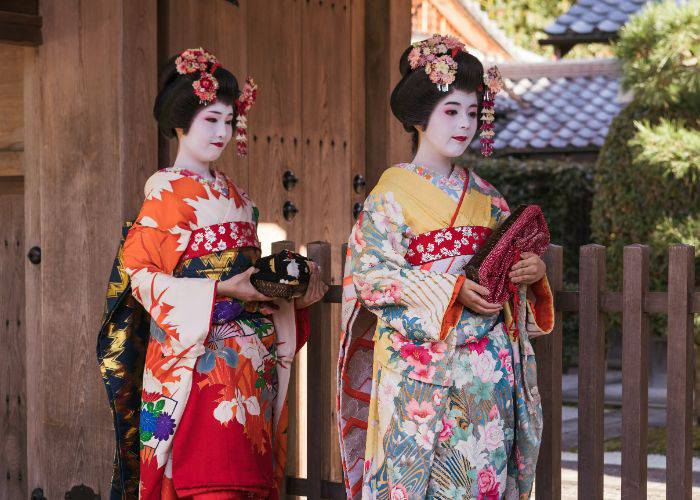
591 375
549 370
90 145
388 34
679 426
635 376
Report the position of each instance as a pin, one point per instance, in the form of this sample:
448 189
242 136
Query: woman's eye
211 120
229 122
451 112
472 114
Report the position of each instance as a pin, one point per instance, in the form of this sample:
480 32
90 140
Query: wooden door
13 463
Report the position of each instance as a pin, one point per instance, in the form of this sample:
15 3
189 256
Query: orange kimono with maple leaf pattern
213 414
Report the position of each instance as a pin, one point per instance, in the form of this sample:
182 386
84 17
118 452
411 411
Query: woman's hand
239 287
471 295
530 269
316 290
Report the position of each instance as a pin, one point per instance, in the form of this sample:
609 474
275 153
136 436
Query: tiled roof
556 106
591 18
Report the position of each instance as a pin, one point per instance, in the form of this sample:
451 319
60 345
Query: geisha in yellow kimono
437 387
201 413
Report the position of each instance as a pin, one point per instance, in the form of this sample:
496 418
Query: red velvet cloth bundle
525 230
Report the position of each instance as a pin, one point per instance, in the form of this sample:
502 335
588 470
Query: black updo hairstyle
176 103
414 98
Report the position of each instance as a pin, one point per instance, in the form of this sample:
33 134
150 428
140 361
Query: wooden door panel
274 61
13 423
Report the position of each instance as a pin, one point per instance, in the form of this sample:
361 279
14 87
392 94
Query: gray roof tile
590 17
555 112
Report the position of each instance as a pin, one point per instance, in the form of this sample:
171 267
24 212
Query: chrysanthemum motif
164 426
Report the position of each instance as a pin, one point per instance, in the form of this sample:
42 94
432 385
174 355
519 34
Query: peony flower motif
478 345
398 492
446 432
484 367
415 355
424 373
487 482
493 435
420 412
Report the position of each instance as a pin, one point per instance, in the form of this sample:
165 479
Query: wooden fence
680 302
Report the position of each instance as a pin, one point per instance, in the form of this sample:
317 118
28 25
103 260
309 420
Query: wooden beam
20 28
11 164
20 6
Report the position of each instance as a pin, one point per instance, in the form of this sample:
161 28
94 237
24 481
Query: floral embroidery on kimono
213 413
434 401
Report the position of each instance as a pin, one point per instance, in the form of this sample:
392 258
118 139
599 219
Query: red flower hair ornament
243 104
202 61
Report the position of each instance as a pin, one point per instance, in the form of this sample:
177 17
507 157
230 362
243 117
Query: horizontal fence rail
635 302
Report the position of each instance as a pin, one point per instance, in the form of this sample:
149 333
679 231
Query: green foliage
564 190
670 144
646 178
659 50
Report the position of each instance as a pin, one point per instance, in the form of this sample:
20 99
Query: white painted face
209 134
452 125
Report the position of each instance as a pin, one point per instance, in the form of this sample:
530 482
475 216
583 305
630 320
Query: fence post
548 350
591 372
679 437
635 386
292 465
320 425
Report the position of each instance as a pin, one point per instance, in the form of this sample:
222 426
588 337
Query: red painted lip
218 144
460 138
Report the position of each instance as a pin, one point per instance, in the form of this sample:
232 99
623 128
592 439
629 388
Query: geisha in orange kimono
195 359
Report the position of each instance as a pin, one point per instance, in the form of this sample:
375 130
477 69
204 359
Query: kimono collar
219 183
452 184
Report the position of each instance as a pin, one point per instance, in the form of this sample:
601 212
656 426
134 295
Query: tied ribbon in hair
243 104
202 61
493 85
436 55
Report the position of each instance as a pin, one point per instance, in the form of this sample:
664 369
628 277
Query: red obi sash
220 237
444 243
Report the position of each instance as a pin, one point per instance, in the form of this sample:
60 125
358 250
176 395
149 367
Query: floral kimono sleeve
181 307
420 305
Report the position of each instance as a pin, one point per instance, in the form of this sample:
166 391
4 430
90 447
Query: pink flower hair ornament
243 104
493 84
200 60
436 55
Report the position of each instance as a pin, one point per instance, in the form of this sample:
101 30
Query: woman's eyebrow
453 102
